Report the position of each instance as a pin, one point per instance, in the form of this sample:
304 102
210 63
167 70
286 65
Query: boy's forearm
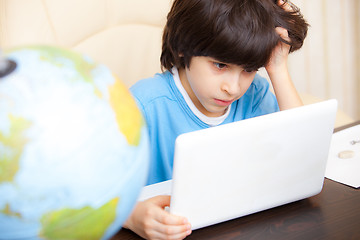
285 91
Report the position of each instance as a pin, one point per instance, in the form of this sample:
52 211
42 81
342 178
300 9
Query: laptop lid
236 169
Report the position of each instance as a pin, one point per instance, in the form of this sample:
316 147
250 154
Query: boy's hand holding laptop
155 217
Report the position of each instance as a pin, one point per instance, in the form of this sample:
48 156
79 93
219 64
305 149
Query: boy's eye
220 65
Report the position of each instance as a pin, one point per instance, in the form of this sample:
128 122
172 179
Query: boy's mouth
224 103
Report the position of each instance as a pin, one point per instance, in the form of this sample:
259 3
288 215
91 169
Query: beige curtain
328 66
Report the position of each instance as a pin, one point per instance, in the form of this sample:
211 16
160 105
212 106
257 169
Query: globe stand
6 66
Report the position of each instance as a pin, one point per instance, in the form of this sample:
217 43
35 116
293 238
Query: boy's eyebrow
218 61
229 64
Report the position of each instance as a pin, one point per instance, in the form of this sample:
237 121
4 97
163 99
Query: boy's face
213 86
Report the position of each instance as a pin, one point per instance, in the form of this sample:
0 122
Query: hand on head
287 5
150 221
278 59
279 56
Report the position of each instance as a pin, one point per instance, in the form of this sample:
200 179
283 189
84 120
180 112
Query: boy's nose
232 84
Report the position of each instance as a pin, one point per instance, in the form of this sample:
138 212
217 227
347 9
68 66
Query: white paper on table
346 171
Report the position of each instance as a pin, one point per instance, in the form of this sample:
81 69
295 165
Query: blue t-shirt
167 116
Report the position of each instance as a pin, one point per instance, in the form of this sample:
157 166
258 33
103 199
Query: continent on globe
13 144
124 105
78 223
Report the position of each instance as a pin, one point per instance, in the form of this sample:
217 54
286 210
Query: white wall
328 65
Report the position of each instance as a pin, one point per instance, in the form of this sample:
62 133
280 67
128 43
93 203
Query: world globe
73 147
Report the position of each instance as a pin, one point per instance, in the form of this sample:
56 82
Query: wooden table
332 214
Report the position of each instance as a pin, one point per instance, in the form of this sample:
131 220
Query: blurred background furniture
126 37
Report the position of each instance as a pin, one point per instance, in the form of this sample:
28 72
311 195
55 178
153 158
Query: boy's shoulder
259 85
153 87
260 82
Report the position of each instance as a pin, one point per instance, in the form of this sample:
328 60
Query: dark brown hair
240 32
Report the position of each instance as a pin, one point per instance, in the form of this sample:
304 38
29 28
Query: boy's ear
181 55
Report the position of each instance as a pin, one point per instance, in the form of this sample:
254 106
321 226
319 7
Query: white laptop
236 169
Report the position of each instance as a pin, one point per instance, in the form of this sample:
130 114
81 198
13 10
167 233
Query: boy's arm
150 221
277 70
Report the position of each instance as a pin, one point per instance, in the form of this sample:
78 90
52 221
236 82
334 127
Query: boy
211 51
